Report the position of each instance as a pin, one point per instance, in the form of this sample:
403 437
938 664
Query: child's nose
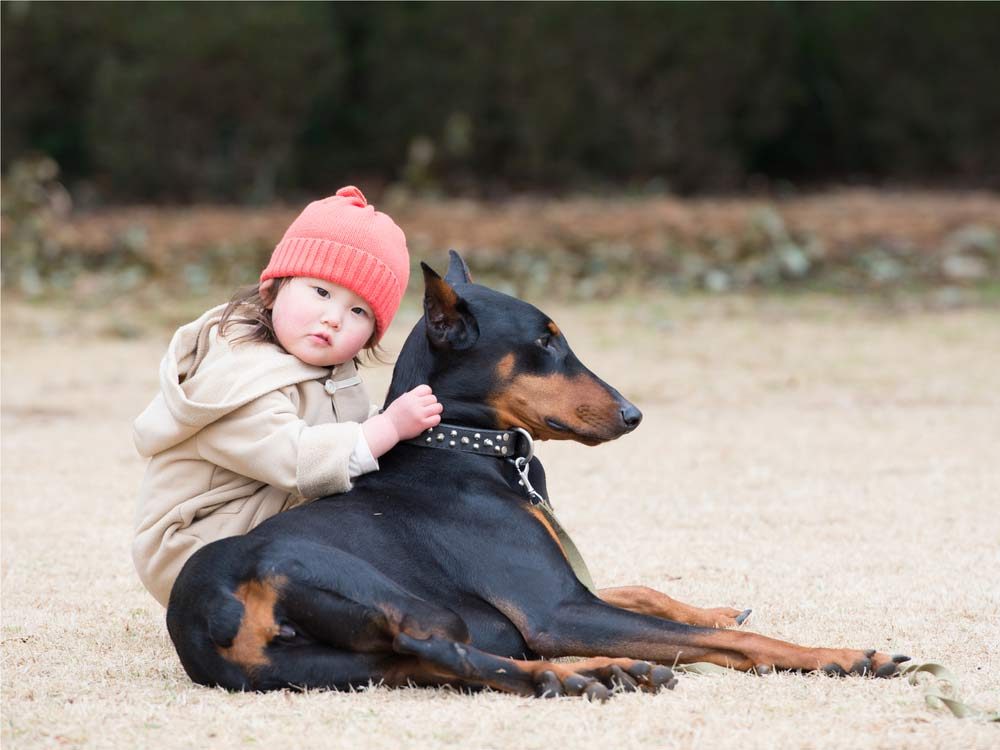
332 318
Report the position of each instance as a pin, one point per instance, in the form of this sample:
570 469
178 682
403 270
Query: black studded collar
496 443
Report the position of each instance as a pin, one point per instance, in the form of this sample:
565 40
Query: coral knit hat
344 240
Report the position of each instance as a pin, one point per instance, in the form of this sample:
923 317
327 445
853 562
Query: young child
261 407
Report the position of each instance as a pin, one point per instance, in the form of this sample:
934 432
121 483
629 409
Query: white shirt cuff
362 461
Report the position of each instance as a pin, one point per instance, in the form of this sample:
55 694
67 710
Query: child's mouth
319 338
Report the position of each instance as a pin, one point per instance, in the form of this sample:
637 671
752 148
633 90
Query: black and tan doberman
443 568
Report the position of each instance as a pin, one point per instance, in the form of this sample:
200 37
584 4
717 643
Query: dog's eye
545 341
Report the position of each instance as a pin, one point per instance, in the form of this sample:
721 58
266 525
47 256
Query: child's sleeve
267 441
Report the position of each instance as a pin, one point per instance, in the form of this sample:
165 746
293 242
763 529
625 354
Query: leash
942 691
939 692
504 444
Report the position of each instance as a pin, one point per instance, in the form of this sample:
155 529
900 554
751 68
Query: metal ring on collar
531 443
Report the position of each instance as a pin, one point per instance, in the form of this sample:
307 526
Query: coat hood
204 377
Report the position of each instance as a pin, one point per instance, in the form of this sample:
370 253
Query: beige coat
238 433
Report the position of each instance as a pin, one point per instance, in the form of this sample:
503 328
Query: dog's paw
628 675
599 678
870 663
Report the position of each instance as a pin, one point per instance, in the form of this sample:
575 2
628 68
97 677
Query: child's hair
249 307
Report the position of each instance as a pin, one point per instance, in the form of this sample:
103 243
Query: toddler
261 407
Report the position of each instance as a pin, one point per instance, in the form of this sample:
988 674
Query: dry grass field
834 465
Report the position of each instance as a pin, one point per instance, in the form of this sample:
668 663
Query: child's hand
414 412
405 418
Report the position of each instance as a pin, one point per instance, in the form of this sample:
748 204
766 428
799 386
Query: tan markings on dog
505 368
744 650
416 671
444 291
257 626
540 517
581 403
596 665
394 618
647 601
554 329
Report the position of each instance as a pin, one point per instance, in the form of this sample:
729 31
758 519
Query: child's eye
360 311
321 292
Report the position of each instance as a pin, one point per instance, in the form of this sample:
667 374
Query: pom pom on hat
344 240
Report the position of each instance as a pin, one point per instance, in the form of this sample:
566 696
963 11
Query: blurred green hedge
568 248
252 101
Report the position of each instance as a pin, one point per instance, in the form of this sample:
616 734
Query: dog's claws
640 670
835 670
662 676
596 692
576 684
763 669
622 680
549 686
870 652
900 658
742 616
887 670
862 667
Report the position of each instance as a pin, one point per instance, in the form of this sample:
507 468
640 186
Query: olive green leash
941 691
521 464
572 553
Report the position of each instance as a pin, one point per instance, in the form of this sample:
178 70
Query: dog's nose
631 416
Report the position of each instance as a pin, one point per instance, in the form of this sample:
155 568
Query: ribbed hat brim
351 267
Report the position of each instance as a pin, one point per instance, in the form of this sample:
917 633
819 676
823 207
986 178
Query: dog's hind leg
303 598
314 616
590 627
438 662
318 617
647 601
592 678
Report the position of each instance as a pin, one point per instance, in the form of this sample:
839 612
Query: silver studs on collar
495 444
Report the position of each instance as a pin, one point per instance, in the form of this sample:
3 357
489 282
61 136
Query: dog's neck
416 366
413 367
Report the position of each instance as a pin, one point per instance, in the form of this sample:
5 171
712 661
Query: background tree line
249 102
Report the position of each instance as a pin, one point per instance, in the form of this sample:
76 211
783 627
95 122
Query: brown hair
250 307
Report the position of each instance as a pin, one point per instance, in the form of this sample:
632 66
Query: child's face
320 322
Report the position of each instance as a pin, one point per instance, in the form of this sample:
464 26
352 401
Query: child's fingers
428 412
421 390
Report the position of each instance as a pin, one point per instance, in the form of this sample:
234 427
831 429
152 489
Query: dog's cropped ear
450 324
458 271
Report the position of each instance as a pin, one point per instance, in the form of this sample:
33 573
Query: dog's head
496 361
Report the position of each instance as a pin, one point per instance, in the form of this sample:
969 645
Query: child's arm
405 418
266 440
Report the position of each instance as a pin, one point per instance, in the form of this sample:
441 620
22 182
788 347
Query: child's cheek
300 317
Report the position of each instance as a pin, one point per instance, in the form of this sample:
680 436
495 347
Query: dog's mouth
562 431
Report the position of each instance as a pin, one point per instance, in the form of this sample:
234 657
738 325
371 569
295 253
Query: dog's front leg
647 601
586 626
